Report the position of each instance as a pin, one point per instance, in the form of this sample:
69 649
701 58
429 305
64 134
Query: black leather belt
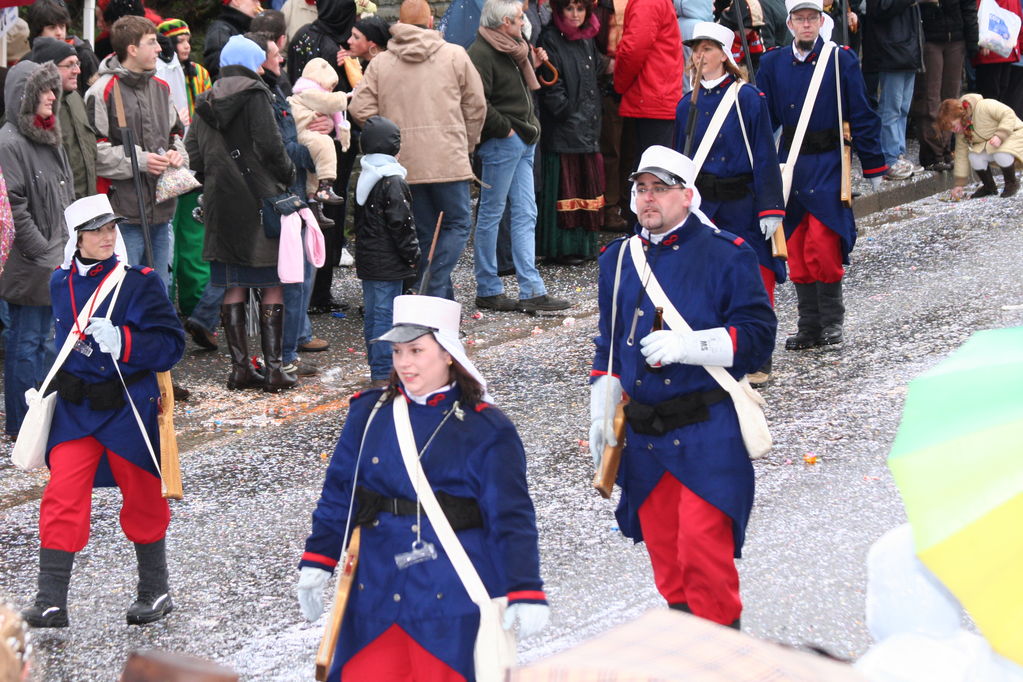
462 512
659 419
814 141
102 395
714 188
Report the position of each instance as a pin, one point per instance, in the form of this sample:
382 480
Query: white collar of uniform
714 83
658 238
82 268
421 399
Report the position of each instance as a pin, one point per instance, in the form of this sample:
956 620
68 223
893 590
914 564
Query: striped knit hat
172 28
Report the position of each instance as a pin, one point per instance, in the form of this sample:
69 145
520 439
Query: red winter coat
648 64
993 57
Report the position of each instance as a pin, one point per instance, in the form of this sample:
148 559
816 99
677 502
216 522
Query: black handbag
270 208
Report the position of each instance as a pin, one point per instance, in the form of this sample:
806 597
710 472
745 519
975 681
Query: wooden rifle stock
604 479
350 561
170 465
779 247
847 198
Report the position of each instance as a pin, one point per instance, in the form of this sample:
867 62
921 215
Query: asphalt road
923 278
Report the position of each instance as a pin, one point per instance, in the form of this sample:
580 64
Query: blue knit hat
240 51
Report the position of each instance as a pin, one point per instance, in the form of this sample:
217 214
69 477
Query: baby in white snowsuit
313 94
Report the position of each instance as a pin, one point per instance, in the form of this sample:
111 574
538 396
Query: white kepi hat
88 214
415 316
795 5
671 168
722 35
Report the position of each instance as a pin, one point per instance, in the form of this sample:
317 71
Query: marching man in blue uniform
738 176
685 474
409 616
95 439
820 228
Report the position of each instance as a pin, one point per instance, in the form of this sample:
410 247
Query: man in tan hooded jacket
431 90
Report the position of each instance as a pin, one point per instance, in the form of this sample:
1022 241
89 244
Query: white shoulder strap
745 136
445 533
112 280
716 121
672 316
789 167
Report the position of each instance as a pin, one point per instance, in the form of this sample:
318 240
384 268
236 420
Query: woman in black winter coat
572 190
388 248
237 115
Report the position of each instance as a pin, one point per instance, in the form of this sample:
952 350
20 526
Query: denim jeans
159 234
428 200
893 107
508 170
206 312
29 356
378 300
297 327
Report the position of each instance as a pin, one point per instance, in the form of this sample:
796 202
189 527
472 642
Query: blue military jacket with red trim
817 180
479 456
729 158
713 280
152 340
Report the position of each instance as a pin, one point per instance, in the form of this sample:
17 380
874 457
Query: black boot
680 606
1011 183
154 601
243 374
987 187
808 328
50 607
736 625
321 219
829 295
325 193
271 330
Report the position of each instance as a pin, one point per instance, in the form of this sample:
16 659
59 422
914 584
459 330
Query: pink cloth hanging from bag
315 249
290 263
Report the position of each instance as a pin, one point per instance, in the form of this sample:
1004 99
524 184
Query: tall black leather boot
243 374
154 601
50 607
1011 183
808 328
271 330
829 296
987 184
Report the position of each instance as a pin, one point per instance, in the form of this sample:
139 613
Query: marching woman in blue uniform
739 179
409 616
95 439
821 230
685 473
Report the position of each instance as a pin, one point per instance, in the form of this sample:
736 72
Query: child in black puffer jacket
387 249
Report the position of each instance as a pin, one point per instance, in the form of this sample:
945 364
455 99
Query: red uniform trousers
691 550
64 515
395 657
767 274
815 253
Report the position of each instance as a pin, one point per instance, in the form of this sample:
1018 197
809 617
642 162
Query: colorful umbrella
958 461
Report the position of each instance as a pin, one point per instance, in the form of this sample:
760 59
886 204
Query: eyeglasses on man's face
657 190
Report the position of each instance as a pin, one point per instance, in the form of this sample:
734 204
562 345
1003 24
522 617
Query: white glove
107 336
605 394
875 182
311 582
532 618
769 224
711 347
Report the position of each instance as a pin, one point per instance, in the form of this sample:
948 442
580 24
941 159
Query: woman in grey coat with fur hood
40 186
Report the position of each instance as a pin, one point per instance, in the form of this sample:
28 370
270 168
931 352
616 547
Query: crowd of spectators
543 109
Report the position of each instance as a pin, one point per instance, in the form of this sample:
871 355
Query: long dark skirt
571 199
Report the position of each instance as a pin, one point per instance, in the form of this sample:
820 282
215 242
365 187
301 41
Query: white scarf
375 167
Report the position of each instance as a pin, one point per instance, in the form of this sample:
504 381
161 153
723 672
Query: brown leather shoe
313 345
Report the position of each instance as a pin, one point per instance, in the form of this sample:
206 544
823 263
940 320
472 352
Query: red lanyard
74 308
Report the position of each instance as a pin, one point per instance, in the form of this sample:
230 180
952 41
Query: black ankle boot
154 601
987 184
50 607
829 296
243 374
321 218
809 325
271 330
325 193
1011 183
680 606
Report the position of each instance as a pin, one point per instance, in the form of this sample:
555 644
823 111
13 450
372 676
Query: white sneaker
347 260
916 168
900 170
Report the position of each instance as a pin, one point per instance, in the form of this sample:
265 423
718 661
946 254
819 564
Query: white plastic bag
999 28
